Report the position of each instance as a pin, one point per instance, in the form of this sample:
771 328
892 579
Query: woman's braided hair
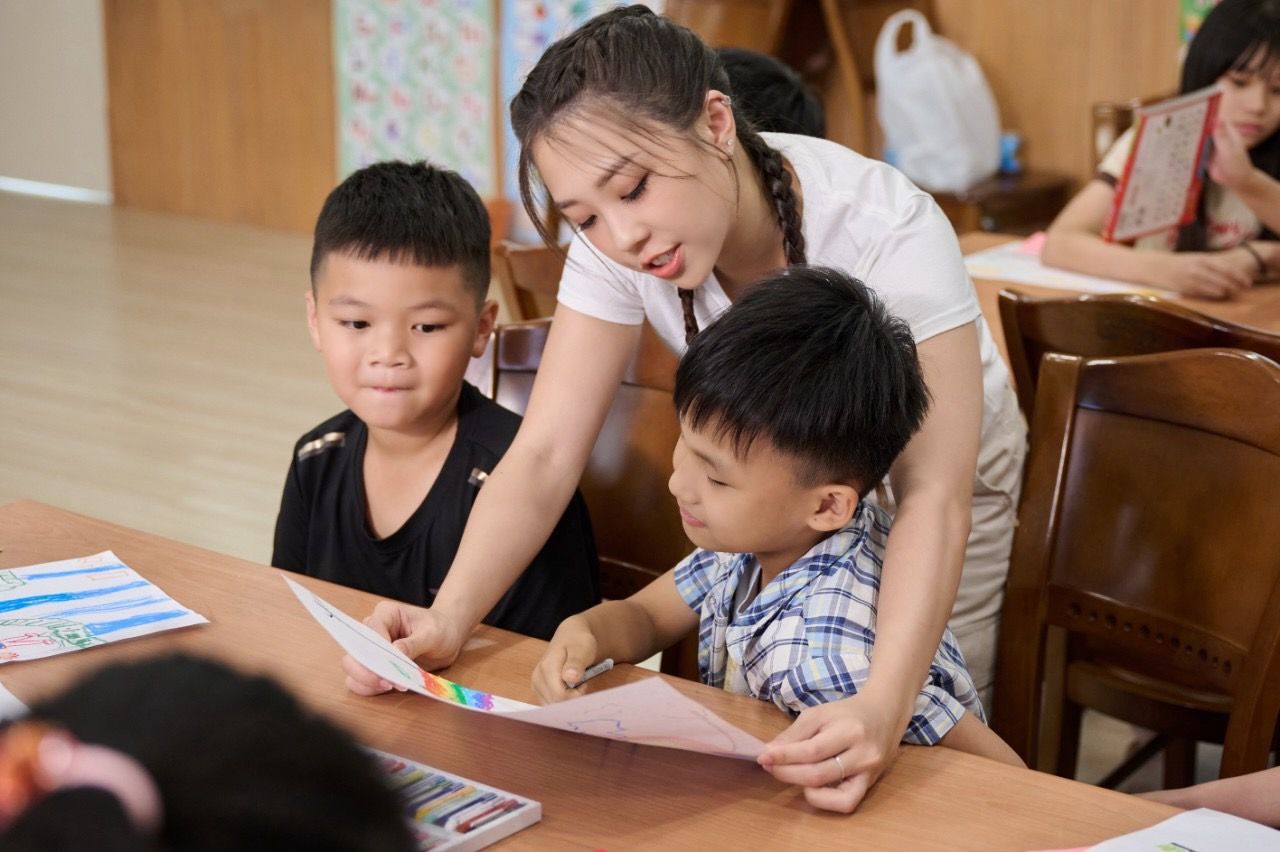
643 69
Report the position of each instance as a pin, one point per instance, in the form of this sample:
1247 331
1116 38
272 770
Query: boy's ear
484 327
836 505
313 322
721 127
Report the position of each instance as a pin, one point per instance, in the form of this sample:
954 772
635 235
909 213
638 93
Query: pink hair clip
37 759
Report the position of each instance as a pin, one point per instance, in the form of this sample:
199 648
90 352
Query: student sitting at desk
377 497
792 407
1232 241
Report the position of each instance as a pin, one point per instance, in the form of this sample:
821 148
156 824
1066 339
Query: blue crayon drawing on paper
79 603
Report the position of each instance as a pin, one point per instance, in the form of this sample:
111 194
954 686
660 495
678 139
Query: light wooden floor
155 371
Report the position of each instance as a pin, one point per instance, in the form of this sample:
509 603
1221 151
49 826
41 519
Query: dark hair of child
830 378
771 93
647 74
238 764
412 213
1236 35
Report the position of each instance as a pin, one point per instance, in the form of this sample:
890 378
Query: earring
728 147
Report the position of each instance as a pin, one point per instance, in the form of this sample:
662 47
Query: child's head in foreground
177 752
792 406
399 279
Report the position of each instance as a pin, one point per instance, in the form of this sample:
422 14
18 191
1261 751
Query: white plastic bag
939 117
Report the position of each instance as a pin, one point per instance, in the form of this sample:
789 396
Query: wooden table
595 793
1258 307
1020 203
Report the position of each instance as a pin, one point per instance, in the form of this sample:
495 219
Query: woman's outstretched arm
933 486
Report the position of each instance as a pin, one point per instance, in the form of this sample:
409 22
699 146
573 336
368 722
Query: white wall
53 93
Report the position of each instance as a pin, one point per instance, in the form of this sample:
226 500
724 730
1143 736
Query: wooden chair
635 518
1112 325
529 277
1109 119
1145 575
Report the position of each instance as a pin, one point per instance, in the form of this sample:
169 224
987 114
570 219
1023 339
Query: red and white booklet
1165 172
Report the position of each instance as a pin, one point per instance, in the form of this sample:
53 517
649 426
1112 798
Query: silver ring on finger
840 767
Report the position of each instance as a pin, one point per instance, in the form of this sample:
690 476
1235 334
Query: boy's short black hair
408 213
809 359
771 94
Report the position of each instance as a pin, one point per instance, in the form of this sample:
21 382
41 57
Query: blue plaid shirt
807 637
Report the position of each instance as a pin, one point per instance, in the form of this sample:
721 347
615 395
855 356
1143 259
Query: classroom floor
155 371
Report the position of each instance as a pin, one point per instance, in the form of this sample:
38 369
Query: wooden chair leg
1179 763
1068 739
1134 762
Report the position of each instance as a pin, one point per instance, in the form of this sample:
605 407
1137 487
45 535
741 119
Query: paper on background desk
55 607
1201 830
11 707
1019 261
646 712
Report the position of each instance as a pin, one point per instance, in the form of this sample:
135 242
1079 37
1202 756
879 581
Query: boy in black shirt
378 496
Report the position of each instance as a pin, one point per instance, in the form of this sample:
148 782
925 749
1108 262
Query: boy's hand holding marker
566 665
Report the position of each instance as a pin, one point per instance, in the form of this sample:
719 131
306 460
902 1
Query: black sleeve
290 550
562 580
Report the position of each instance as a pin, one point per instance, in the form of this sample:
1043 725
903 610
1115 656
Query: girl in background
1232 241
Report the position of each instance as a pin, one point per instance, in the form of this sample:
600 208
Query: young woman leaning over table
679 206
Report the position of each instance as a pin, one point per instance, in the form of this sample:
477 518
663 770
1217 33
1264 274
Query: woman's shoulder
830 172
597 286
855 208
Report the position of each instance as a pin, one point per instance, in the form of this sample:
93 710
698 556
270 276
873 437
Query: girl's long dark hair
644 70
1236 34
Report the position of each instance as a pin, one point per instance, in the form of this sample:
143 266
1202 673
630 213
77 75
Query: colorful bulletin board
528 28
1193 12
414 79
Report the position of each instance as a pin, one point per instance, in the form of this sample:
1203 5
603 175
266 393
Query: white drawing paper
1019 262
646 712
1202 830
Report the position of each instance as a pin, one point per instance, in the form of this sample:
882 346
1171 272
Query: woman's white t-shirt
862 217
868 220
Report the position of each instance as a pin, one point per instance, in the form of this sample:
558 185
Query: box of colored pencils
449 812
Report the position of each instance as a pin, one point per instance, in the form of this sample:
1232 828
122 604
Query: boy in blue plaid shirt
791 410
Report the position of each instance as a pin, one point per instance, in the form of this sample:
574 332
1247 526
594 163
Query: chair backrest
634 517
529 276
1108 120
754 24
1106 326
1147 533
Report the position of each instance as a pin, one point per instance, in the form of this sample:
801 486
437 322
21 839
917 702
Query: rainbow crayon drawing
380 657
447 690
